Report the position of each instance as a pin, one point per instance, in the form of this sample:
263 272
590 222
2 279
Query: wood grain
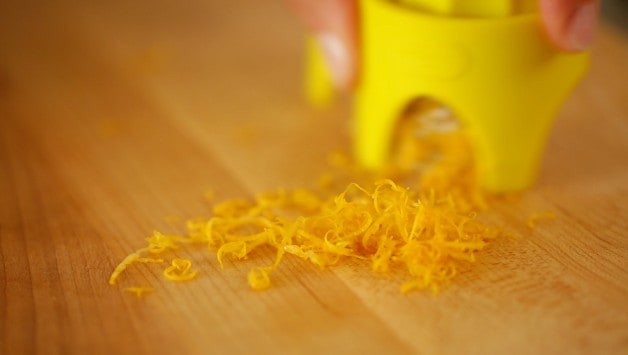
116 115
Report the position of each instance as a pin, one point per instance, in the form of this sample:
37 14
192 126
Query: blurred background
616 12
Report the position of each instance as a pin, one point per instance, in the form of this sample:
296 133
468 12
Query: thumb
571 24
334 24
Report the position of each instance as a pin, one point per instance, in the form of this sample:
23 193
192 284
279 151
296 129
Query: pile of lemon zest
425 225
139 291
180 270
540 216
305 199
383 255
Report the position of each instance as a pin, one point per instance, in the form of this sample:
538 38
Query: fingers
571 24
334 23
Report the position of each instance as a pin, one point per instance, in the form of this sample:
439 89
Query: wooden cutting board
115 116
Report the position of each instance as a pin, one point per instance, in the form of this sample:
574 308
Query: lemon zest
420 220
130 259
259 278
180 270
140 291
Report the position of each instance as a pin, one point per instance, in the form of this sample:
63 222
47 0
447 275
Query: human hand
570 24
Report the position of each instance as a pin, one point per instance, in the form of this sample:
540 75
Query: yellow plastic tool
488 60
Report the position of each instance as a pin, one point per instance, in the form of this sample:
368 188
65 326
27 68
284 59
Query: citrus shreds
122 266
139 291
419 217
180 270
258 278
158 243
130 259
390 225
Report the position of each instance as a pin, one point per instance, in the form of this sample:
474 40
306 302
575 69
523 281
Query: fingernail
337 57
581 28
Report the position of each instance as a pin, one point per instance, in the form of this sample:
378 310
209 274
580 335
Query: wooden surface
114 116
